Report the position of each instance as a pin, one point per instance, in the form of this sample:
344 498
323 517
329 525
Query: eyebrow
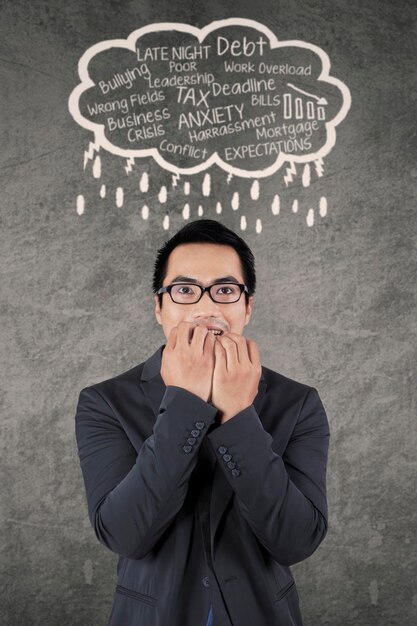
190 279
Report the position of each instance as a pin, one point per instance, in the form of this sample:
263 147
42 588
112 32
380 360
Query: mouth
215 331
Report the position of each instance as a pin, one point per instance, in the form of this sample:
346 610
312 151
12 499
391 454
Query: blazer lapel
152 385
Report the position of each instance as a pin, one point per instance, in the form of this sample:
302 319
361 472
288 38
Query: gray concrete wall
335 305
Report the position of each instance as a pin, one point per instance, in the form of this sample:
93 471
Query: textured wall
335 305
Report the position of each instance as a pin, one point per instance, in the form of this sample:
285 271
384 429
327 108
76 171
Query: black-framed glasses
190 293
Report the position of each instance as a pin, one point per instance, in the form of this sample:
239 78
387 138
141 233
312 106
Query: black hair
206 231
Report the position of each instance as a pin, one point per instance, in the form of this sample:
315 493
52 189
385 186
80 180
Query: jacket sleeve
283 498
133 496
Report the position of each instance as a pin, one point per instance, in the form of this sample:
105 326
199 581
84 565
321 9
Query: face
206 263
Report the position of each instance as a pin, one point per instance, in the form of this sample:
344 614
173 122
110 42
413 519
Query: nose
205 307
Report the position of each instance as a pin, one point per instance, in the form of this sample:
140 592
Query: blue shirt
210 618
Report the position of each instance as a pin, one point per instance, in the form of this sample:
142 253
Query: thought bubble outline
131 43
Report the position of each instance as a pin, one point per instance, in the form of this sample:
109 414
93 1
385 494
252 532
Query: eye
230 289
181 290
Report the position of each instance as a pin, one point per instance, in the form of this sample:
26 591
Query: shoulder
133 374
289 395
121 383
291 408
276 381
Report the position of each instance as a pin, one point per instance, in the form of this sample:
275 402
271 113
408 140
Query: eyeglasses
188 293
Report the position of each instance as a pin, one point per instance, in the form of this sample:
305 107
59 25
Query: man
204 471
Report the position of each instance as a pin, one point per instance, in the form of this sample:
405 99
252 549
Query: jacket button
205 581
235 472
187 449
195 433
200 425
227 457
222 449
191 440
231 465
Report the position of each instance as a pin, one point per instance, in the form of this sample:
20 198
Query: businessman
204 471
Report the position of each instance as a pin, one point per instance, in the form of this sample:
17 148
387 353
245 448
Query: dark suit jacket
151 457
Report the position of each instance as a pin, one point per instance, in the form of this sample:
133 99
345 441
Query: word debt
237 47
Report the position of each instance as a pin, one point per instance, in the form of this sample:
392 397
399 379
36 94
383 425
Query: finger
209 343
242 349
184 334
220 356
172 338
254 355
198 338
230 347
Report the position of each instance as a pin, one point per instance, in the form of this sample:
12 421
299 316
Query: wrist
195 392
227 415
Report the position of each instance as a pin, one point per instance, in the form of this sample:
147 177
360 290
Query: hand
237 371
189 364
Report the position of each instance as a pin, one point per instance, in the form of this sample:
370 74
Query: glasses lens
226 292
185 294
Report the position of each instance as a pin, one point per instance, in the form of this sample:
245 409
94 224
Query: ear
157 310
248 310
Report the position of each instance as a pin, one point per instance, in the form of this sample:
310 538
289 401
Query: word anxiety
216 115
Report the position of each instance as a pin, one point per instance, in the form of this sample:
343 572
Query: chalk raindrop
275 205
162 197
144 182
97 167
254 190
206 185
310 217
119 197
80 204
235 201
306 175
